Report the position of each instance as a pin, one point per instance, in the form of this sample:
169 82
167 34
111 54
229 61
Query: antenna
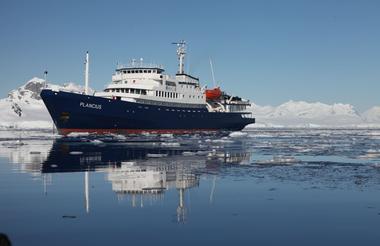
86 73
212 72
181 51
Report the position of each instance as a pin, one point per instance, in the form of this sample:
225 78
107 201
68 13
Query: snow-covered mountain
305 114
372 115
24 108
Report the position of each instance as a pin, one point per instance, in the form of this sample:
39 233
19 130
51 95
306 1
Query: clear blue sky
267 51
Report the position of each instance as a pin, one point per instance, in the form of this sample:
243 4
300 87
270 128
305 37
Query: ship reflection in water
165 189
140 171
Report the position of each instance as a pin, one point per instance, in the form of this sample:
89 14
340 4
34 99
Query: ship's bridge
137 71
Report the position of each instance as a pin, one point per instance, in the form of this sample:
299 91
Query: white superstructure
149 84
141 82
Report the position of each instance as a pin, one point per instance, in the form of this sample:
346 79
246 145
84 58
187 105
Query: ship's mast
86 73
181 51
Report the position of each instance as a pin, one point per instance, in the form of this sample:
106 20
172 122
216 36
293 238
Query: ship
143 98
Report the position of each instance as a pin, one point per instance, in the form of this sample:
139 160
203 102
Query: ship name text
90 105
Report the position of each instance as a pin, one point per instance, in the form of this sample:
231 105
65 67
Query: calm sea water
263 187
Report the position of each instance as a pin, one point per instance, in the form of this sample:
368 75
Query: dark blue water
264 187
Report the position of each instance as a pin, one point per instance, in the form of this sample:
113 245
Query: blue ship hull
72 112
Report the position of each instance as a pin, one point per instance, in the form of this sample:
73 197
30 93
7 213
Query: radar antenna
181 51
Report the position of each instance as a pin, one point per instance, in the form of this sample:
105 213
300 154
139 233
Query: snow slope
24 109
372 115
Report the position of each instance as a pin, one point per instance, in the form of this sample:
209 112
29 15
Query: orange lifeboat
213 94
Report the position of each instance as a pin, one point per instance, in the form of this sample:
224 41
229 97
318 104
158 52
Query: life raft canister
213 94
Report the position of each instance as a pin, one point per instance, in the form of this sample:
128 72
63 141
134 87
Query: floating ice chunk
118 137
14 143
76 153
376 165
377 151
96 141
175 144
238 134
78 134
200 152
127 164
371 154
167 135
149 155
188 153
222 140
279 160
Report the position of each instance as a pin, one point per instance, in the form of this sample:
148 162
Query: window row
128 90
167 94
142 71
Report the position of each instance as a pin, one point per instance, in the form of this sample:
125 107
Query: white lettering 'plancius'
90 105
